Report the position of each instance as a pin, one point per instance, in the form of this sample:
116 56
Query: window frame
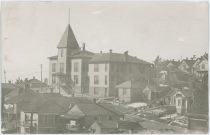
77 79
96 67
76 67
95 91
105 80
53 67
62 67
96 79
179 102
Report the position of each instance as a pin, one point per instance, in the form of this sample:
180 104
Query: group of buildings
79 80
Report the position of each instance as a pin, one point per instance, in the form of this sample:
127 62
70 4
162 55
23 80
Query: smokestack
83 46
110 51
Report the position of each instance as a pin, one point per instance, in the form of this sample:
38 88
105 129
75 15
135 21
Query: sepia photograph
104 67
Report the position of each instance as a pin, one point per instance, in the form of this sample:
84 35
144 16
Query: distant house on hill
187 65
172 65
38 86
200 67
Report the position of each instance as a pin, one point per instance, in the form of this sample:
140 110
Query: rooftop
93 109
68 39
53 57
83 54
116 57
45 102
189 62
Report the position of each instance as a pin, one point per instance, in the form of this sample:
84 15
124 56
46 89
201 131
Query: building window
95 91
53 79
124 91
179 102
76 67
105 80
96 79
61 52
76 79
61 67
54 67
106 67
96 67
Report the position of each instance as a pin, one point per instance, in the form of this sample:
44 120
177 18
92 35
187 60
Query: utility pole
41 77
5 76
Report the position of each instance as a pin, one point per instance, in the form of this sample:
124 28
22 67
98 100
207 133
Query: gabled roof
93 109
116 57
175 63
187 93
114 108
189 62
68 39
45 102
7 88
126 84
36 83
83 54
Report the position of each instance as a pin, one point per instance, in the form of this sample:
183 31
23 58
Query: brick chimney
110 51
126 55
83 46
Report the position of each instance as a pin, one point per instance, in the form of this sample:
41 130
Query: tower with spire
67 46
62 74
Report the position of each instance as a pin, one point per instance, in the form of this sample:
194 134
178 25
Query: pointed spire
69 17
68 39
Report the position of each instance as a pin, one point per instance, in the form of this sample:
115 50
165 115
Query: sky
31 31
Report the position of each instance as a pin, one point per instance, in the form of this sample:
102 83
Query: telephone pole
5 76
41 77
